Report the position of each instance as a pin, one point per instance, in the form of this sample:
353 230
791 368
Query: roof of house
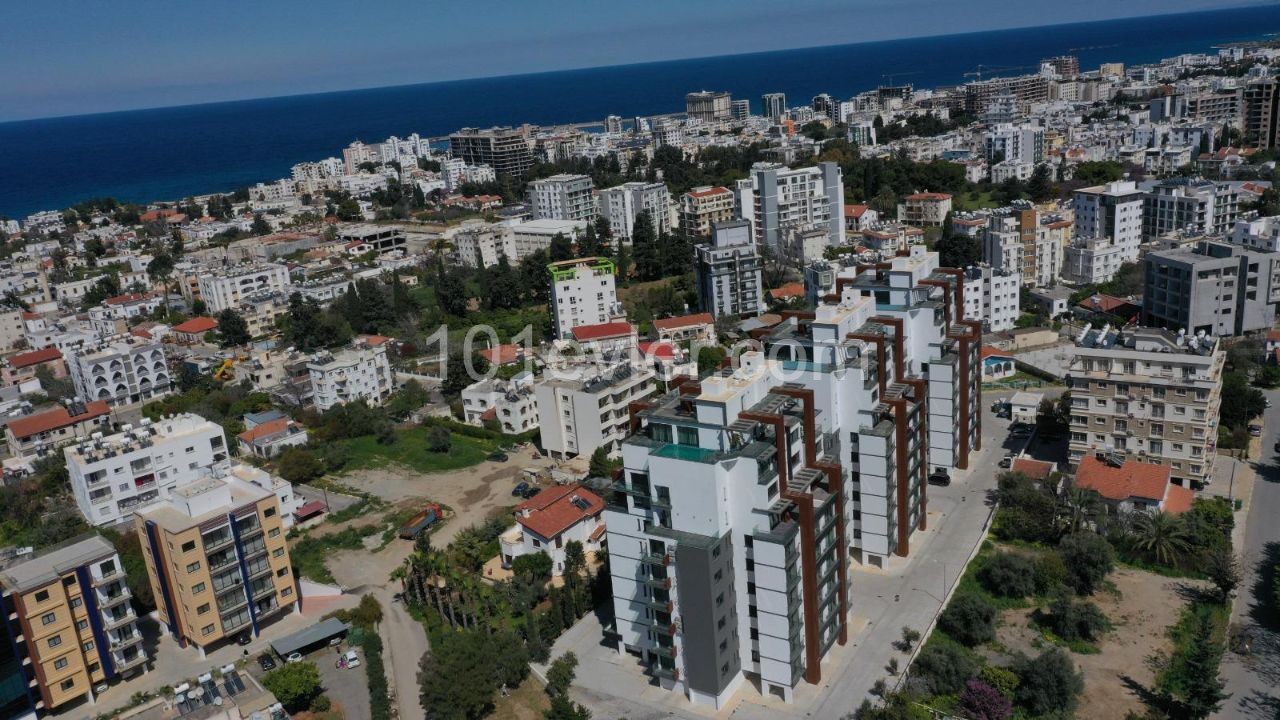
708 193
56 418
602 331
658 349
128 298
854 211
266 429
315 507
928 196
557 509
502 354
1034 469
35 357
684 321
1273 334
1148 481
787 291
375 340
196 326
989 352
1105 303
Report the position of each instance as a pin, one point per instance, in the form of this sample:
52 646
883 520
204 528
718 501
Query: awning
315 635
309 510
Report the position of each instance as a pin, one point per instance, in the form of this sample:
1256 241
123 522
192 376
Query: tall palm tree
1162 536
1077 507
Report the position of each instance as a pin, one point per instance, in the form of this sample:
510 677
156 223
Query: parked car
352 660
244 639
520 489
1020 431
294 657
1255 430
939 477
266 662
499 456
1006 461
530 492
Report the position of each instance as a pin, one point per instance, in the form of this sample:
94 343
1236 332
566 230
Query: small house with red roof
499 355
1132 485
788 291
996 364
699 327
603 337
194 330
1103 304
270 438
924 209
546 522
40 434
23 366
859 217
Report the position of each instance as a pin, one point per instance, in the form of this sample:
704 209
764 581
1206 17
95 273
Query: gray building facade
1217 288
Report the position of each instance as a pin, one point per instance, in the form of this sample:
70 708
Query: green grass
410 449
308 554
962 201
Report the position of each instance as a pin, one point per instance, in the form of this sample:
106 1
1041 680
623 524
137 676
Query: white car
294 657
353 660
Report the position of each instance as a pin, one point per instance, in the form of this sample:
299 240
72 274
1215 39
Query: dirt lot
526 702
1141 609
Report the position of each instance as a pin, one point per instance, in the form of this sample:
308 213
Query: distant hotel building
708 106
509 152
582 293
226 289
121 371
703 207
562 197
729 272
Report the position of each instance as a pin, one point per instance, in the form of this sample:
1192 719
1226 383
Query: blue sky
68 57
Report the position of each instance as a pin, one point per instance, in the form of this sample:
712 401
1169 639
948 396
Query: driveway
909 592
1253 679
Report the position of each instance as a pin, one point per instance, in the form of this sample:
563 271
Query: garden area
1075 610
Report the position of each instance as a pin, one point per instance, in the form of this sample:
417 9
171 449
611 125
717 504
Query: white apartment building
776 197
991 297
359 372
121 370
583 408
113 477
1148 395
510 403
1019 239
562 197
478 244
534 235
1261 234
1092 260
1190 204
1112 211
1015 143
621 205
12 329
729 271
224 289
582 293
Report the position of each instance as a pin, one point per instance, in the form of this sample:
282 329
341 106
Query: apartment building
1021 144
773 105
378 238
1148 395
12 329
69 627
225 289
1260 107
534 235
478 244
924 209
40 435
992 297
583 408
708 106
1215 288
729 272
1261 234
1092 260
512 404
217 561
359 372
703 207
582 293
114 476
121 371
1113 212
1191 204
622 205
1021 240
562 197
508 151
776 197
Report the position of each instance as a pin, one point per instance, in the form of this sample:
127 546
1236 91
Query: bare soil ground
1141 608
526 702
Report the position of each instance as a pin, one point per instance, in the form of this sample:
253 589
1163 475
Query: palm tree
1163 537
1077 507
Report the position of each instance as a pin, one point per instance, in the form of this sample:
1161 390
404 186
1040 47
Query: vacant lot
411 450
1141 608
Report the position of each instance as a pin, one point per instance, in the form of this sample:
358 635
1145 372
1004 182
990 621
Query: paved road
907 593
1254 680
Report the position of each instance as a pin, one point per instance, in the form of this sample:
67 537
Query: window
60 663
206 630
277 552
202 609
68 683
68 581
55 641
82 624
76 602
197 588
193 566
275 532
48 618
282 572
720 624
88 647
188 546
42 596
286 592
269 512
720 599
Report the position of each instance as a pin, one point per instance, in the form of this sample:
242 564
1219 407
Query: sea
173 152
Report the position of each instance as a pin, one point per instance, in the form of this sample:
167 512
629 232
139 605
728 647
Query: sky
71 57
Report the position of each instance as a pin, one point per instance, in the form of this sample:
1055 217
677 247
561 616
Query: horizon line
1240 5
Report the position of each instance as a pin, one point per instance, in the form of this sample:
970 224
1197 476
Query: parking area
346 687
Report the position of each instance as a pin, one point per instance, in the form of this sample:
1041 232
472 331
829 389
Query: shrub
969 619
1002 679
295 685
1049 574
946 667
1048 683
1074 620
1088 559
534 565
983 702
320 703
1008 575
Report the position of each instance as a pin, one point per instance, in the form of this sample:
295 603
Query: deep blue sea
169 153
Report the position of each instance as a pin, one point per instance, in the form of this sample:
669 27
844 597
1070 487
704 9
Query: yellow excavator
223 373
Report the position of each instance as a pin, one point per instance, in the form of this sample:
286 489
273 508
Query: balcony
667 651
111 621
107 600
659 583
120 641
115 574
656 558
130 662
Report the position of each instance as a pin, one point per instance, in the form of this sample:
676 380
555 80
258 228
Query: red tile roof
128 298
502 354
854 211
1104 303
708 193
196 326
553 510
1273 334
270 427
375 340
928 196
1034 469
660 350
788 291
22 360
315 507
1148 481
684 321
603 331
56 418
988 351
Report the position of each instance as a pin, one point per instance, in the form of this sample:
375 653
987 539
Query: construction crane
893 75
988 69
